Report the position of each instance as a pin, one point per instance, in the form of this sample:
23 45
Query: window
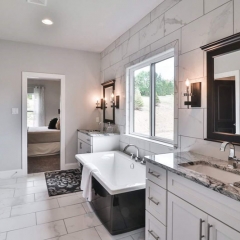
151 98
30 109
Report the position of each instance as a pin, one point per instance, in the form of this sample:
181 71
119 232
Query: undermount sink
218 174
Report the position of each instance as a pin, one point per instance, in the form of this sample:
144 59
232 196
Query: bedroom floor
27 212
43 164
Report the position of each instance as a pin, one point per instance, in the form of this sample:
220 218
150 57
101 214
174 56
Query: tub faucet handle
132 155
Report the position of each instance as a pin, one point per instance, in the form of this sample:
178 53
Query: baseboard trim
71 166
12 174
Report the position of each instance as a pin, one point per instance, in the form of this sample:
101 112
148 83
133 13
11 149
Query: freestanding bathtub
118 190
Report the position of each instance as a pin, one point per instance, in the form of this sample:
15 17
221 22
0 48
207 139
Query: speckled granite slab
96 133
177 162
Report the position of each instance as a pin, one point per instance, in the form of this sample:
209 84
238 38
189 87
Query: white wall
82 86
192 23
52 91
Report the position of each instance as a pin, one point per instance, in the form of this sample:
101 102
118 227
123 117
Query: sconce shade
195 95
117 101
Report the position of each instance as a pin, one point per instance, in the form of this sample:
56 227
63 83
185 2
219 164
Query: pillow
52 123
58 124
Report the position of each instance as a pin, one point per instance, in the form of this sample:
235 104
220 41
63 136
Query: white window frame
130 96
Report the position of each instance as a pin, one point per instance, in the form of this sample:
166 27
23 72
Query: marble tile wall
192 23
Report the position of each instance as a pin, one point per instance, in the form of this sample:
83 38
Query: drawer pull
151 199
153 234
154 174
80 145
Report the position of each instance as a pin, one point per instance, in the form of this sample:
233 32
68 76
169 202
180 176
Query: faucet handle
137 159
132 155
143 161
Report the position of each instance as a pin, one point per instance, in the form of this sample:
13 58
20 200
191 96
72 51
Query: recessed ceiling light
47 21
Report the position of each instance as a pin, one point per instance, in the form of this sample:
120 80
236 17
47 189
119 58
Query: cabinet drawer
154 229
156 198
84 147
85 138
157 175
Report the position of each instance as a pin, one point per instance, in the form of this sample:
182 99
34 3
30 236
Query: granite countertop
177 162
96 133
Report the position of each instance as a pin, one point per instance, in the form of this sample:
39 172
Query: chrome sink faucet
137 159
232 160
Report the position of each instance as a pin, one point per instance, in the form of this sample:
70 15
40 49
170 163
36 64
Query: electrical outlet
97 119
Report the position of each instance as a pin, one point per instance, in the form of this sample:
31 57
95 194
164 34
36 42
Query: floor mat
63 182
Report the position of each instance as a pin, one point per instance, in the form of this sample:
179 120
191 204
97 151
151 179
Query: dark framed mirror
108 104
223 89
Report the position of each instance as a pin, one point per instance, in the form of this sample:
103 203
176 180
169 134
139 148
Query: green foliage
157 100
142 82
138 99
163 87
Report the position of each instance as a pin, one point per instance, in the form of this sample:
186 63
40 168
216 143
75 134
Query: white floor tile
39 232
87 234
34 207
13 223
29 190
17 185
3 236
78 223
7 181
39 183
87 207
10 202
59 213
5 212
71 200
105 235
6 193
139 236
31 178
44 196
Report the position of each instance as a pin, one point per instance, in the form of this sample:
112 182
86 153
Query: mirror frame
105 85
217 48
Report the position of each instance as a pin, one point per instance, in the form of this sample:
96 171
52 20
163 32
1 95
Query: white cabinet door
220 231
185 222
83 147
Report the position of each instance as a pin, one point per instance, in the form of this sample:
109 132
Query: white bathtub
118 173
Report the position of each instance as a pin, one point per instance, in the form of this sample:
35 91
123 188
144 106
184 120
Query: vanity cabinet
185 210
184 220
220 231
188 222
97 143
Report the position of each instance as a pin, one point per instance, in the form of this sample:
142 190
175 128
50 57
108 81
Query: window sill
151 140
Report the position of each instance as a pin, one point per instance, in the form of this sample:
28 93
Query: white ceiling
89 25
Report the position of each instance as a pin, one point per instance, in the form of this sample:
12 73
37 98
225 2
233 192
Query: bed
43 141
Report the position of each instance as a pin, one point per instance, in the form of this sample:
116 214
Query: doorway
43 122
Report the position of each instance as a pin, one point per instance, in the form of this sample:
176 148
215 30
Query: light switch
14 110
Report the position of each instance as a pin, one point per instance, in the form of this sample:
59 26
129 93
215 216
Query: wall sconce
99 105
115 104
195 94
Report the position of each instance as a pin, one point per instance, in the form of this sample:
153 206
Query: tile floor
28 213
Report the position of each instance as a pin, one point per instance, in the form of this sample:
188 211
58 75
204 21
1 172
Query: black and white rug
63 182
